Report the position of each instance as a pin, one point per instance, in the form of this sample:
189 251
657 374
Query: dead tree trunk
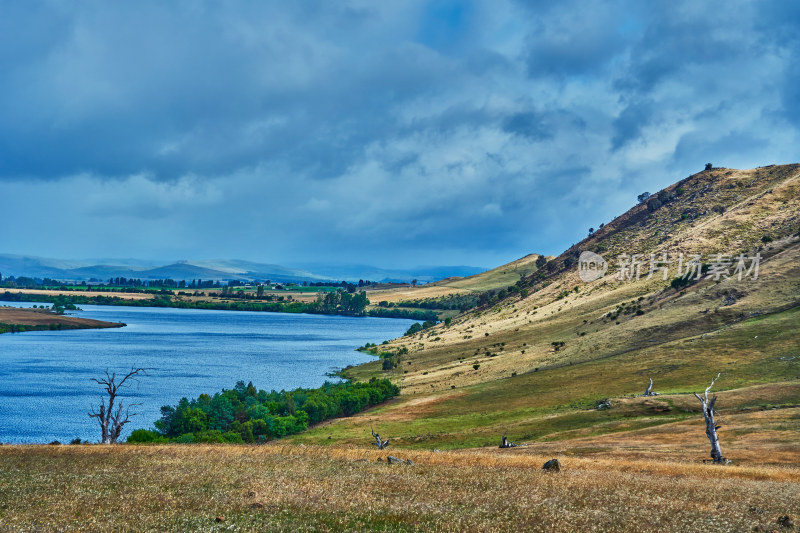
649 390
507 443
378 442
711 427
112 418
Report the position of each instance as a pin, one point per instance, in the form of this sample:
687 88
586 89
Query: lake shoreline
168 301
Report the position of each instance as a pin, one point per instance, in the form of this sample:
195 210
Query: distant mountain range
103 269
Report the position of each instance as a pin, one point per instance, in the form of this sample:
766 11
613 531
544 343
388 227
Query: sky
391 133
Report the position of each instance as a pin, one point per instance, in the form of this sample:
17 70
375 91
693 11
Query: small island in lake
14 320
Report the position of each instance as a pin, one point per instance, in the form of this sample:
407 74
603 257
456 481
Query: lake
46 390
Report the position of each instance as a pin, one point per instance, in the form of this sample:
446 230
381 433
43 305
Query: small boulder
786 521
392 459
552 466
409 462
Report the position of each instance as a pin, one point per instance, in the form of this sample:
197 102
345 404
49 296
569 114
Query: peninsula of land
15 320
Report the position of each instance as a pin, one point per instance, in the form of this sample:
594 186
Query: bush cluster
247 415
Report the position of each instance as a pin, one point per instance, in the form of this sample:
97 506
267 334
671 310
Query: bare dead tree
711 427
649 390
378 442
114 416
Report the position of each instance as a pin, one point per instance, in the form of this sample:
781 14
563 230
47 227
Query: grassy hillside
617 334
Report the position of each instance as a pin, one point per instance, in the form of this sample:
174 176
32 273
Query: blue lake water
45 376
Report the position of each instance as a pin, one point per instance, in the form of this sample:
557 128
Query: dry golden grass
401 294
294 488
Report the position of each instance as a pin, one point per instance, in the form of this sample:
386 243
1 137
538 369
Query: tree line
247 415
338 302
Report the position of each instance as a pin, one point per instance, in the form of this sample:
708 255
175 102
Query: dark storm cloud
414 132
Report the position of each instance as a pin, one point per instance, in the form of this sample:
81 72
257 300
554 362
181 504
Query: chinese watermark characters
592 266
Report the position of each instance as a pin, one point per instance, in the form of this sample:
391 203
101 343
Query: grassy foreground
308 488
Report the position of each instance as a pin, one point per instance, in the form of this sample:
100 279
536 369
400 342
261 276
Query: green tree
220 413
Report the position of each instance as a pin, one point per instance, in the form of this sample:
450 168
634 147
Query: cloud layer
396 133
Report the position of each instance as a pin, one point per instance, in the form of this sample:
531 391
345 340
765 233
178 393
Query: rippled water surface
45 376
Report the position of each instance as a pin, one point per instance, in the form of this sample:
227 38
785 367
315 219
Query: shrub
680 283
653 204
232 437
416 327
146 436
